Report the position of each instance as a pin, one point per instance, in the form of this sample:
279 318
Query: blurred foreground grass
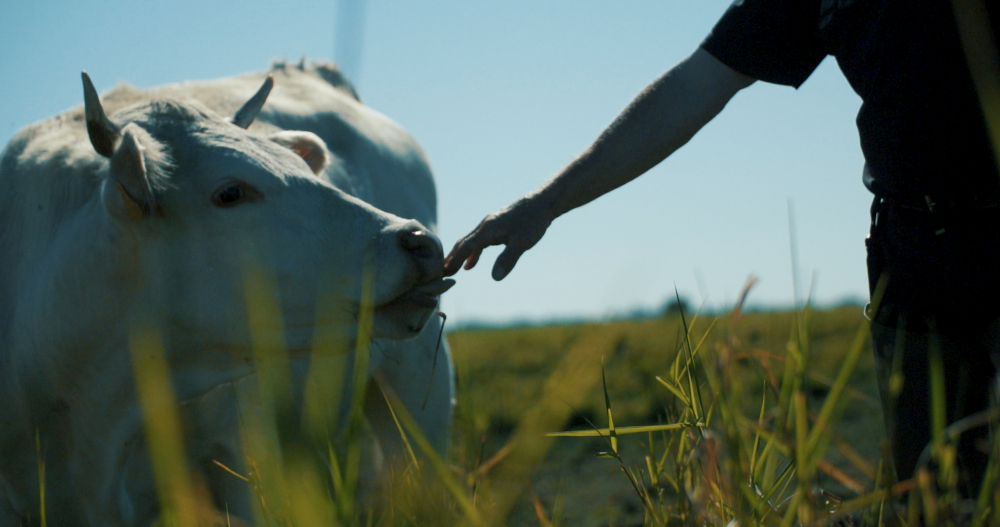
767 419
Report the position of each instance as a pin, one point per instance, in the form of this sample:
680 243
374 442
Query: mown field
516 384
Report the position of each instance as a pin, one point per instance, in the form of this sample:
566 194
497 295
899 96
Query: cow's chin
405 316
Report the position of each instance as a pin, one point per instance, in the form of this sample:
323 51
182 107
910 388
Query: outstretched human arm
661 119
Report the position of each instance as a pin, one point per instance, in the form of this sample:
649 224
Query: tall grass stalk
408 426
178 502
726 465
43 517
572 381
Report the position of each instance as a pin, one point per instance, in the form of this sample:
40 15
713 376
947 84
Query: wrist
552 200
542 204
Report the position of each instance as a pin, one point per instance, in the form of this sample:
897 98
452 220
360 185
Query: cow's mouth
405 316
426 295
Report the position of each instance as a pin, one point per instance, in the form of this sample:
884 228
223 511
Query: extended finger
466 251
472 260
506 261
451 264
457 256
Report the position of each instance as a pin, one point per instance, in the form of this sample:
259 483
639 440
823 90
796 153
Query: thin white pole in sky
349 37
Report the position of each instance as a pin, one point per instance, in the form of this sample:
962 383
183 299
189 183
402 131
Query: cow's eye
233 194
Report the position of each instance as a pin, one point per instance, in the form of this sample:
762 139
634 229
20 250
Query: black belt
942 214
930 203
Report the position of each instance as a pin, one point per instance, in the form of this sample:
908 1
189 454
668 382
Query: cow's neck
72 304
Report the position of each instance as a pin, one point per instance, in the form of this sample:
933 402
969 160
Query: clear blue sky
502 95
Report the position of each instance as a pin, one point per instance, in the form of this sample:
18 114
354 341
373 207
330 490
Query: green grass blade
345 502
675 390
825 418
765 499
625 430
163 428
359 380
939 419
41 479
456 490
694 393
801 435
611 420
402 433
989 484
756 438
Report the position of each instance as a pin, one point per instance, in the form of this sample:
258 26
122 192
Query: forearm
661 119
658 121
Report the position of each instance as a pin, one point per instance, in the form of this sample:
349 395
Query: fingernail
499 272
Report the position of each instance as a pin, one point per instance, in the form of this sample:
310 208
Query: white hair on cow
159 164
155 224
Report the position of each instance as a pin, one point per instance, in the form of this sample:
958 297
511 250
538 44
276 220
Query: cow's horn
103 133
245 115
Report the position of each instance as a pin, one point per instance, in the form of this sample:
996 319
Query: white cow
147 208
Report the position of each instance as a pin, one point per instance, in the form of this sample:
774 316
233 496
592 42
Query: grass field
502 379
768 419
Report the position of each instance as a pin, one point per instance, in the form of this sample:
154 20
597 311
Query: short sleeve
774 41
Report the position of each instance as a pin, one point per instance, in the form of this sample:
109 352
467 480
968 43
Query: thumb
505 262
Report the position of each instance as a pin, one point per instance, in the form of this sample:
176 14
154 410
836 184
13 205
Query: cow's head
215 216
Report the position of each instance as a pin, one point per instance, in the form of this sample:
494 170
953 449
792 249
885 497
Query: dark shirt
920 125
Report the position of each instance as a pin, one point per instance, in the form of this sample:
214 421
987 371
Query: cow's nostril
422 245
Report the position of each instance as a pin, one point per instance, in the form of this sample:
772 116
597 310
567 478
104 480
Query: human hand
518 227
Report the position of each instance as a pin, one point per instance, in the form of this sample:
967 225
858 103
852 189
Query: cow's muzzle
405 315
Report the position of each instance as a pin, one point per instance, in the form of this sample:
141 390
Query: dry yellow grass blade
41 480
574 378
178 501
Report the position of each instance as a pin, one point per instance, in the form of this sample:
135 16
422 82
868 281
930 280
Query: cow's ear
128 194
307 145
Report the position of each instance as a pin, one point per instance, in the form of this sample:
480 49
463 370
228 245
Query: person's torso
920 123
